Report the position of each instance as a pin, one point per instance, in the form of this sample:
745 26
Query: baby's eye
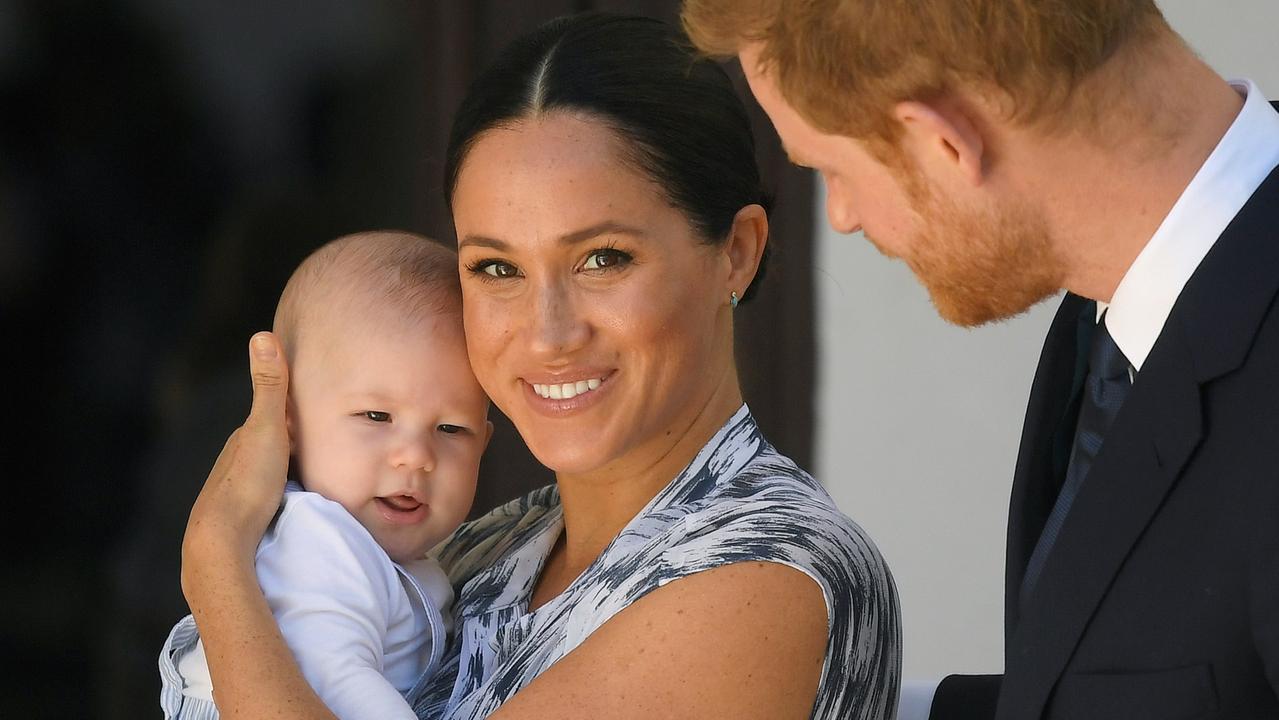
451 429
605 258
377 416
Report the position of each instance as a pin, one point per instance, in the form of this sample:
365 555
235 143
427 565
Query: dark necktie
1105 387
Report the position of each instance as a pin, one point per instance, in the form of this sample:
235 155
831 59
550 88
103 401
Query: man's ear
744 248
942 138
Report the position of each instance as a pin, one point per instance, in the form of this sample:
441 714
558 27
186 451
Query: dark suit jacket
1161 596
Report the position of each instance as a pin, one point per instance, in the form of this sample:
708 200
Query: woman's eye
496 269
605 258
377 416
451 429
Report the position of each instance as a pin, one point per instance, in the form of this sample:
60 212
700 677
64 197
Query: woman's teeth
566 391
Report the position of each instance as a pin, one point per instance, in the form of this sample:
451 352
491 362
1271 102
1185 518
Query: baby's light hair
368 271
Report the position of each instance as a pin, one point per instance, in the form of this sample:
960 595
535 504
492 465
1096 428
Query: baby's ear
488 433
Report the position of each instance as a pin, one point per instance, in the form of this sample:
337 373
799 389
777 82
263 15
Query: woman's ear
744 248
943 139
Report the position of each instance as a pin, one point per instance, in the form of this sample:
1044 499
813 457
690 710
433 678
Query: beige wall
918 422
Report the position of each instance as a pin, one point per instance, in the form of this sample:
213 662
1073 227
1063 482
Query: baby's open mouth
400 503
402 509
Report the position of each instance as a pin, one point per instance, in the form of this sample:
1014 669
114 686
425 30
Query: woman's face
596 318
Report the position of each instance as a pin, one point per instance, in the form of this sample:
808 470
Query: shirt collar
1237 166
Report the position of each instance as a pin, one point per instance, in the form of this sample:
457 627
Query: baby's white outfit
368 633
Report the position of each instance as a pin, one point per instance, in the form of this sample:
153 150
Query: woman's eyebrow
607 227
481 241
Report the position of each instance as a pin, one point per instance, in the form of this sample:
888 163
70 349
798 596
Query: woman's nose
556 326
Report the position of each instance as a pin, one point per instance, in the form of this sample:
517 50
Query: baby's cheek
342 470
455 492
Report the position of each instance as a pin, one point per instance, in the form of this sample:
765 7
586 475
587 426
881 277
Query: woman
610 218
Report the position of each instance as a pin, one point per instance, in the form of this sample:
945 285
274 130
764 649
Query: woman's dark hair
676 111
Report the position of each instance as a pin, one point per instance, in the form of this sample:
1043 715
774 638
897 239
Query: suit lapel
1207 335
1128 481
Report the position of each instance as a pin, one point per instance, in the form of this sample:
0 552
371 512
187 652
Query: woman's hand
244 488
254 674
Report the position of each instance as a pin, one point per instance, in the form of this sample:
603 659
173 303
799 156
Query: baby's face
388 421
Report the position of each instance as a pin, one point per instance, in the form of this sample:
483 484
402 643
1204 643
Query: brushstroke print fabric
739 500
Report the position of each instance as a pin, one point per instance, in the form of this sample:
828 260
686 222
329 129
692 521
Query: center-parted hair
368 273
679 120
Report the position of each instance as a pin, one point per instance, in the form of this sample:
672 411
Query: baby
387 424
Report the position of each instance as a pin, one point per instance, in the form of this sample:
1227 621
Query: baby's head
385 416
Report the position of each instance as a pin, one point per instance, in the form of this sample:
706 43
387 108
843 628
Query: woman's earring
732 299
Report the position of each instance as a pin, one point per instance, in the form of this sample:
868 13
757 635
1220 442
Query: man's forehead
784 117
761 83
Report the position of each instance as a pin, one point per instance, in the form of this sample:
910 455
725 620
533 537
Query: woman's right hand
244 488
254 674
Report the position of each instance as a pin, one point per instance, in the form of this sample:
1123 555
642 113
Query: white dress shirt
1145 297
1246 155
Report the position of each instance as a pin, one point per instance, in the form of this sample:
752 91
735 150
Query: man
1006 149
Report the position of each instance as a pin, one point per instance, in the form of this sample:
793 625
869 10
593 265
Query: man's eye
605 258
451 429
377 416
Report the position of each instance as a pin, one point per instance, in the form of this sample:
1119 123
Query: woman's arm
253 672
746 640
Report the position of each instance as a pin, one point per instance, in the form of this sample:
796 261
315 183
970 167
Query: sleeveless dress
739 500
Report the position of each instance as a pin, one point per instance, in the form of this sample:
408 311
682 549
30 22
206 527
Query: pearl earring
732 299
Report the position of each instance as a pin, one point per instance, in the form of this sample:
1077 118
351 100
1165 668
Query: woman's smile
559 397
568 390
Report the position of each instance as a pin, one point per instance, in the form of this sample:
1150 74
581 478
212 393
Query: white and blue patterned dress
738 501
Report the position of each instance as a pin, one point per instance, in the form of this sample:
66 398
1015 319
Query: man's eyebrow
608 227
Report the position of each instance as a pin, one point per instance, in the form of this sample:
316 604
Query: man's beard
982 266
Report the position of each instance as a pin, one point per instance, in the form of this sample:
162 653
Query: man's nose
840 215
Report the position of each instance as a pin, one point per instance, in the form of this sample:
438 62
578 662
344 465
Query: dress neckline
509 582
